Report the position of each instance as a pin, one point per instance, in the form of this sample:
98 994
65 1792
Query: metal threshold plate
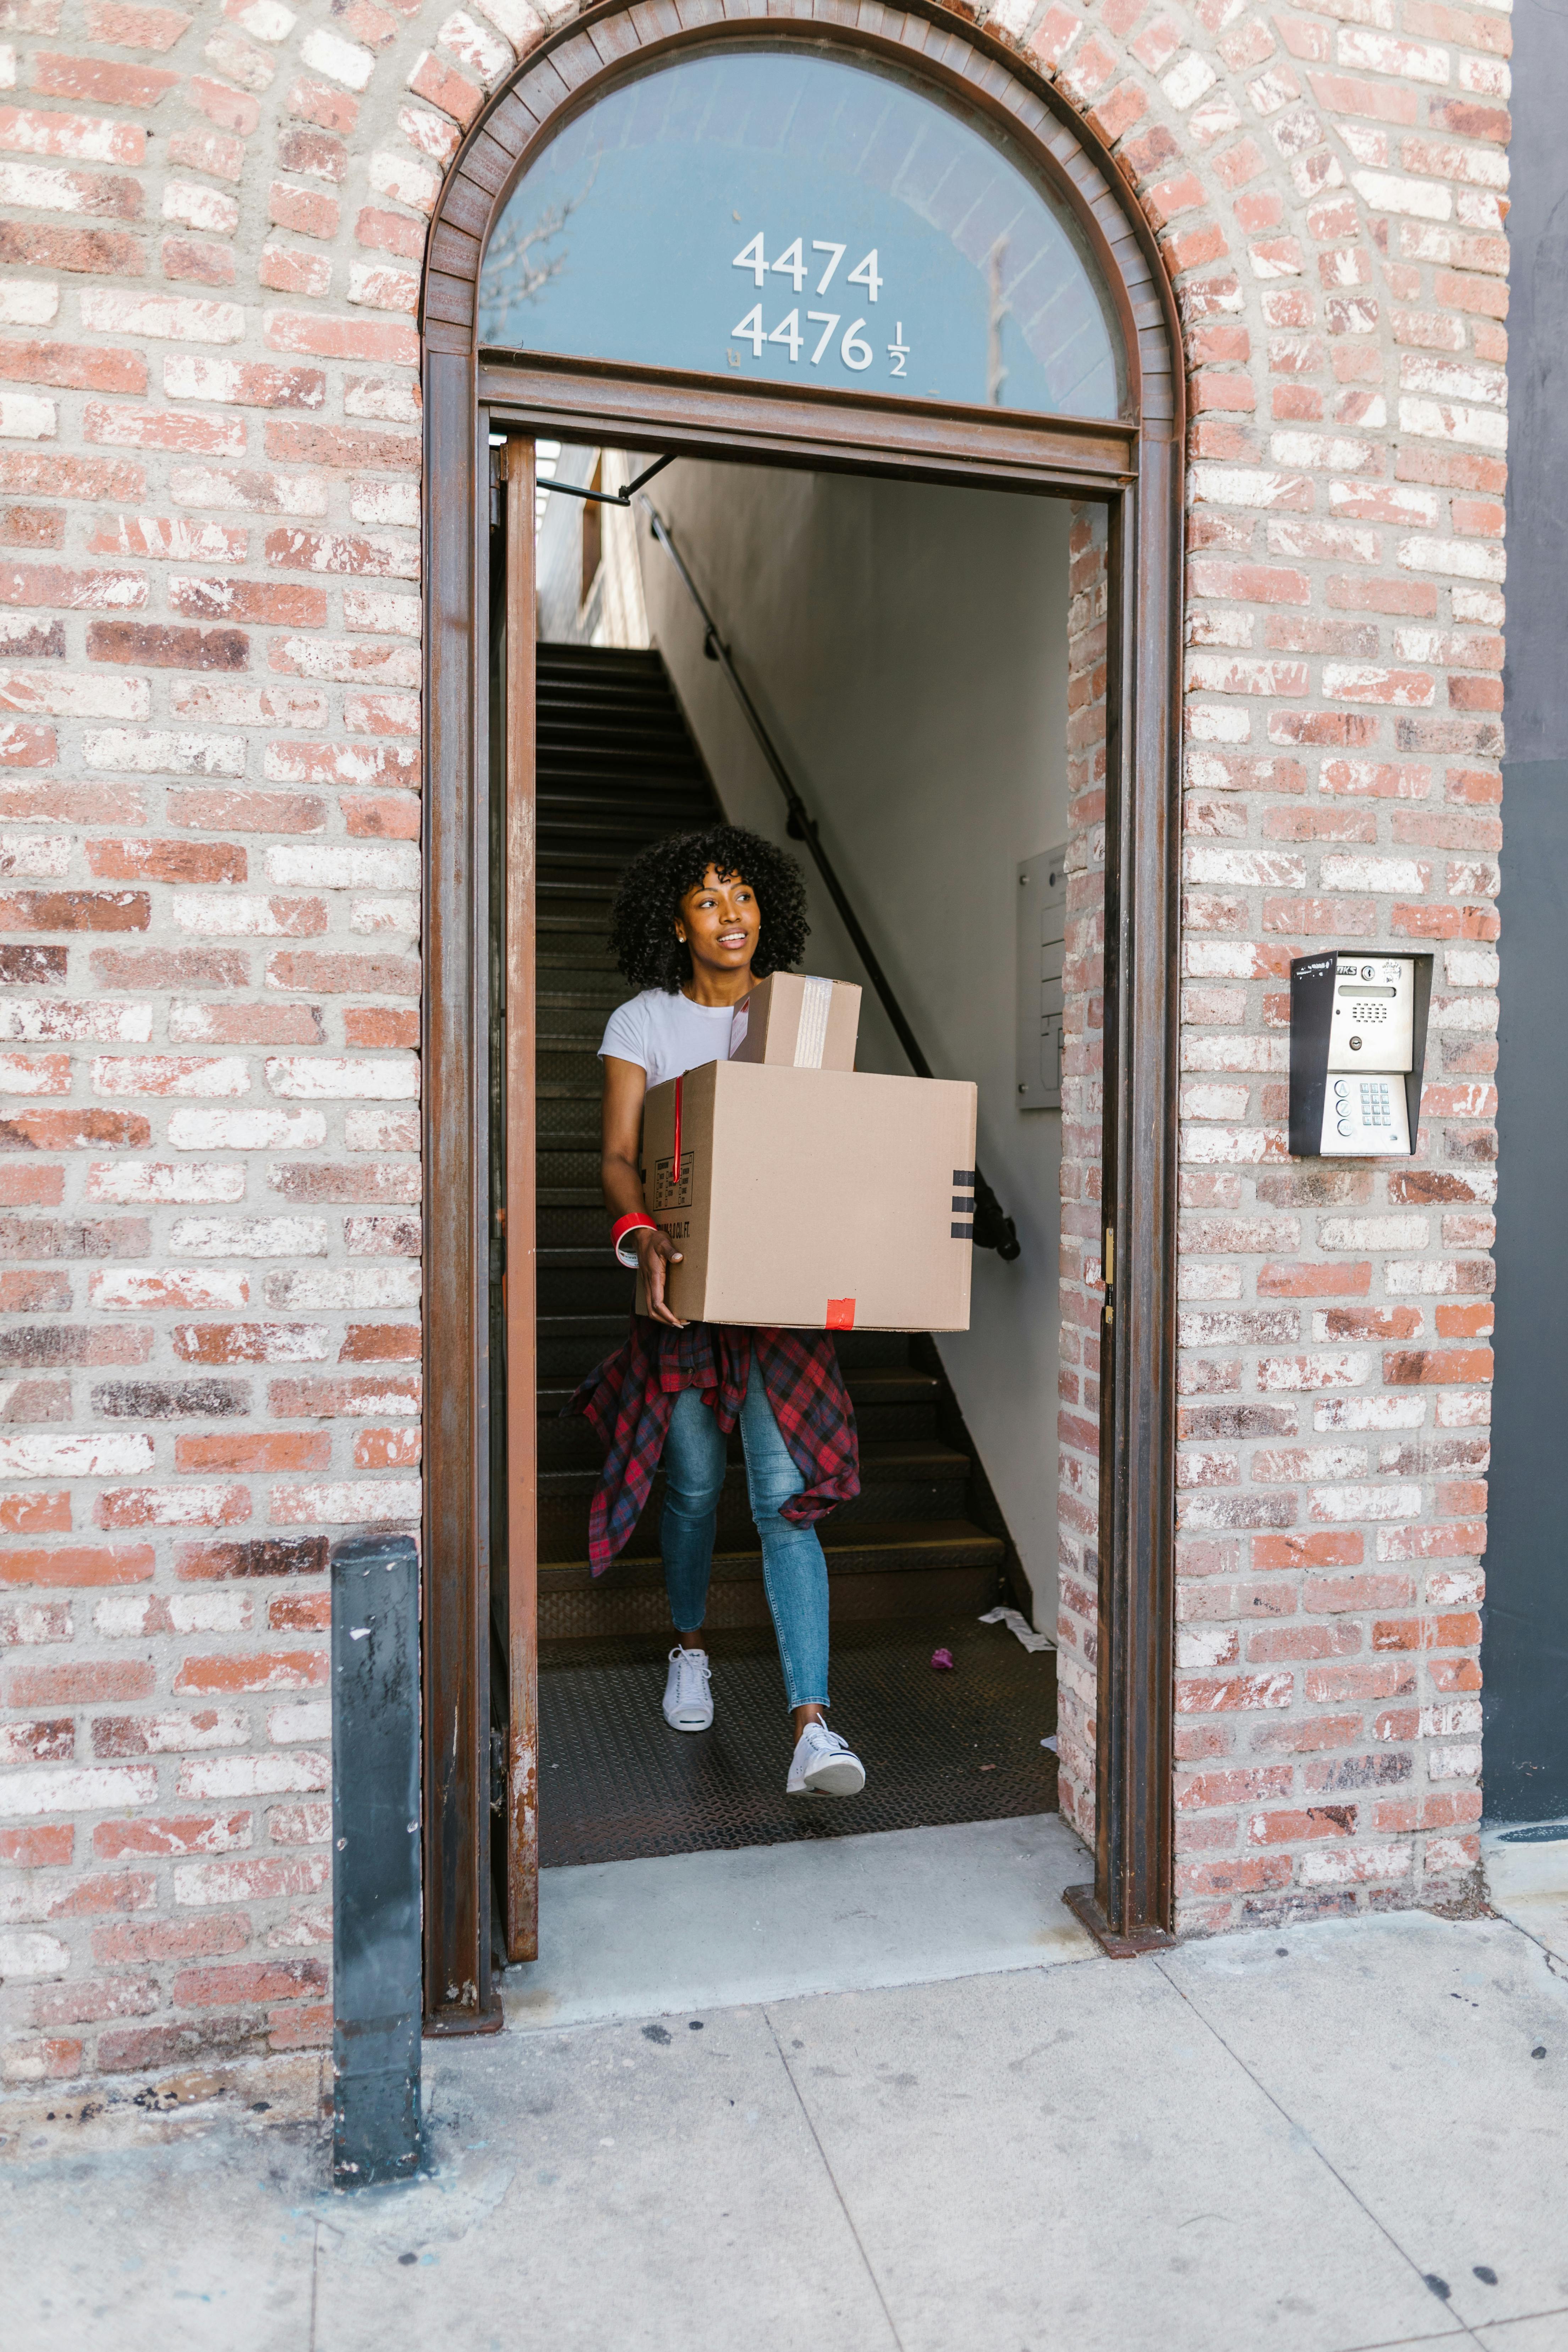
615 1782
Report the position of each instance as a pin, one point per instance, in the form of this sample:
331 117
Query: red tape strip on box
840 1315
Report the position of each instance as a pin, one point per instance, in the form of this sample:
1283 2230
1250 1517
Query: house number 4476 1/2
853 349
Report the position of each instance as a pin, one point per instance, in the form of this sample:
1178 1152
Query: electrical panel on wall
1358 1042
1042 944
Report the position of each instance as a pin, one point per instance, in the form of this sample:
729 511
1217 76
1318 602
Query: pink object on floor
942 1661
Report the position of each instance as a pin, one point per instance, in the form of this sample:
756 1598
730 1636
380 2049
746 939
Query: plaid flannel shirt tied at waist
628 1400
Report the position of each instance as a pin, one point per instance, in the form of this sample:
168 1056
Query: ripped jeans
794 1573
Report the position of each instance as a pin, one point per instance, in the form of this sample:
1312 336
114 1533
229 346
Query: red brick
309 212
83 1683
106 253
273 1980
118 24
80 367
167 861
1439 1366
188 259
76 1564
215 152
254 1671
37 1848
455 95
56 76
1336 1549
247 1454
369 1343
229 108
172 1939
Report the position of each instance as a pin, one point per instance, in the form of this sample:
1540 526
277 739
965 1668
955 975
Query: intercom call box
1358 1041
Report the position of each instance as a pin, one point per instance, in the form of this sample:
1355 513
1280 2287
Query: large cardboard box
803 1023
833 1199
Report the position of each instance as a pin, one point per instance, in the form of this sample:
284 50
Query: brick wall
213 216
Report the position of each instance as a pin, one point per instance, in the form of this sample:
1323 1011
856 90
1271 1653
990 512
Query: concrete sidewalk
1320 2139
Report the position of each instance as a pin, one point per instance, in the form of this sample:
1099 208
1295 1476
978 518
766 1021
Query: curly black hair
642 928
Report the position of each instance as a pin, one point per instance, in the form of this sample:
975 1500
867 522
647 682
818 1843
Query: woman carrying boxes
700 919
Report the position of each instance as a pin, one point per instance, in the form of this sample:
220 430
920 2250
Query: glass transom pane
761 213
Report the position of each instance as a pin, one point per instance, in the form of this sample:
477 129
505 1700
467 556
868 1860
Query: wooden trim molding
698 415
1135 467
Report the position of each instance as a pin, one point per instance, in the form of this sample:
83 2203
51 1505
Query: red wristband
638 1221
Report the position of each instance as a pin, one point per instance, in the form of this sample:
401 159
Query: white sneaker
688 1700
824 1765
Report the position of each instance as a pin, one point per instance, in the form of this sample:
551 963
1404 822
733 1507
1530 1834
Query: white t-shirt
667 1035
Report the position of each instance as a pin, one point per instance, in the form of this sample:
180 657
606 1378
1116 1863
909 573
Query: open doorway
907 652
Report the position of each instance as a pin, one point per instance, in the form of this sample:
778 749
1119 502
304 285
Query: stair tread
872 1544
869 1383
879 1457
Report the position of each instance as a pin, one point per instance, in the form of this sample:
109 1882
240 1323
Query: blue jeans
794 1573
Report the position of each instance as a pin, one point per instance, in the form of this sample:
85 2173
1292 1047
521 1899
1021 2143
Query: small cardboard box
802 1023
828 1199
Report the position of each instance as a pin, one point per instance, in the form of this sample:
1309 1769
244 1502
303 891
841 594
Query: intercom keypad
1358 1037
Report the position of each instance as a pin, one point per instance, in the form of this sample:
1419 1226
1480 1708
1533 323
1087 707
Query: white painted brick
159 1182
41 695
1348 1503
247 1130
196 207
170 1073
59 1020
28 1955
1481 428
355 1289
27 416
80 1456
250 1238
403 177
1391 192
331 1078
311 1720
1390 1411
1187 81
482 51
29 302
346 1502
370 865
1463 558
156 753
340 60
80 1788
232 916
186 319
255 1775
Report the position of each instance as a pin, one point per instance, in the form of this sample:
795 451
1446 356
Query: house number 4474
853 348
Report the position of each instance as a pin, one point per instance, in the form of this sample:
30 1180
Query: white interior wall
907 647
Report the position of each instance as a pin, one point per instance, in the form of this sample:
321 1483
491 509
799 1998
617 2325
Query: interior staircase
617 768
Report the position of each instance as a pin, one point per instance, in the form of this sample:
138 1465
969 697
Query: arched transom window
795 216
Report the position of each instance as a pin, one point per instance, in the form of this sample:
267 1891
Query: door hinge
1110 1271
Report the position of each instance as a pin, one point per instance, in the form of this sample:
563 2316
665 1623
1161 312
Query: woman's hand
655 1252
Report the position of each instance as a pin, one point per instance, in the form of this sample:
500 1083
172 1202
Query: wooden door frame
1135 467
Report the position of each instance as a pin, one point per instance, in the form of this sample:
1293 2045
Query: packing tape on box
811 1037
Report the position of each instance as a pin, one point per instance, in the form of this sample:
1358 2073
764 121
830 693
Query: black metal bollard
376 1999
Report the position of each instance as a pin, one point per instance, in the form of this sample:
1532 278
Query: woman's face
721 922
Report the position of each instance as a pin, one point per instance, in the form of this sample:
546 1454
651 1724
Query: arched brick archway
1134 468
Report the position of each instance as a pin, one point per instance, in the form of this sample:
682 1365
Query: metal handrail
994 1229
